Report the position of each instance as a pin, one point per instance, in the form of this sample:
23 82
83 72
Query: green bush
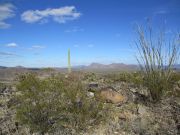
47 69
118 77
156 58
137 79
90 76
2 87
130 77
56 103
175 81
175 77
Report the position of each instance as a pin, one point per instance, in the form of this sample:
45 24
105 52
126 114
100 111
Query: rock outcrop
109 94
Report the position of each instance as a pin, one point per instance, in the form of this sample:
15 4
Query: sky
38 33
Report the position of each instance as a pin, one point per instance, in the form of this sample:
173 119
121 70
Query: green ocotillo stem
69 61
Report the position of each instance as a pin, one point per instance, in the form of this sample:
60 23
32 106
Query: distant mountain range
2 67
113 66
93 67
177 66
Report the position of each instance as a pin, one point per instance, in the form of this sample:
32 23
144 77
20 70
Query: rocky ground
135 116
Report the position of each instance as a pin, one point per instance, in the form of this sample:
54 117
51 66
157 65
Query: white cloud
60 15
74 29
11 45
168 32
76 46
6 12
38 47
8 54
161 12
90 45
36 53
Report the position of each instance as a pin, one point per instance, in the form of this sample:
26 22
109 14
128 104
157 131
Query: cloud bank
90 45
60 15
11 45
8 54
6 12
38 47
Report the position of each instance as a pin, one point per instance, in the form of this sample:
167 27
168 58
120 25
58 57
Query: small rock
66 76
116 132
90 94
142 109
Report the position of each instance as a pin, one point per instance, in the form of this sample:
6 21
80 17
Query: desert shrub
175 81
46 105
124 76
175 77
2 86
128 77
90 76
136 78
48 69
156 58
118 77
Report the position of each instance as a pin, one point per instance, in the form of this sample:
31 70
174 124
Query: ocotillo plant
69 61
157 58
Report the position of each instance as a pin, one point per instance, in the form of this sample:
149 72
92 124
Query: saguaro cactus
69 61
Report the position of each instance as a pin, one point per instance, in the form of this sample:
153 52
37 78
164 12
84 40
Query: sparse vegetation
61 105
56 103
90 77
156 57
48 69
66 67
2 86
135 78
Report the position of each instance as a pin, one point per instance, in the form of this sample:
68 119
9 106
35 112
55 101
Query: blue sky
38 33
